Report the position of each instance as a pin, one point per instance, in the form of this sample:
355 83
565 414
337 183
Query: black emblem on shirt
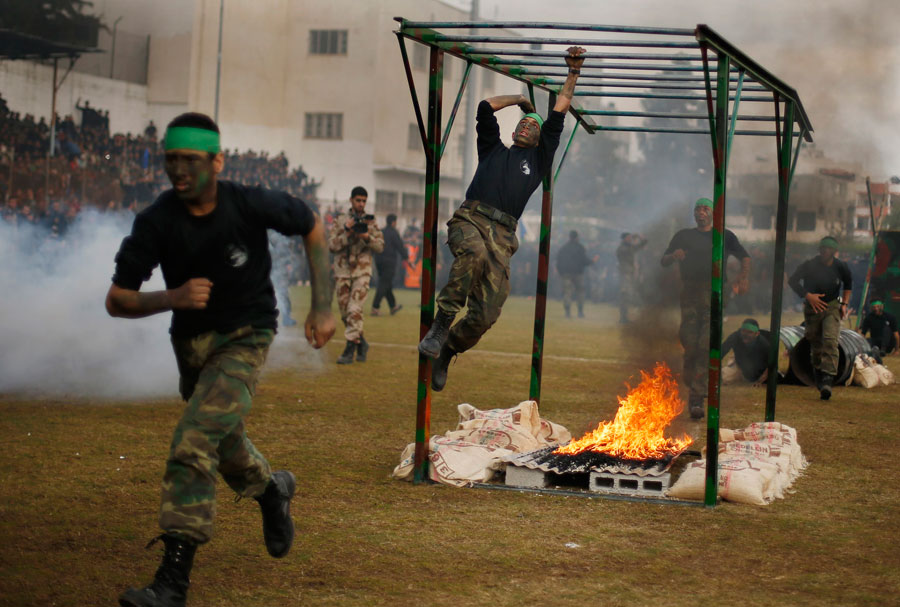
236 255
526 169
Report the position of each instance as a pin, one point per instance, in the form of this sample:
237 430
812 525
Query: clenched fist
192 295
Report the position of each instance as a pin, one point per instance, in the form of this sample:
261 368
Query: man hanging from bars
482 232
692 249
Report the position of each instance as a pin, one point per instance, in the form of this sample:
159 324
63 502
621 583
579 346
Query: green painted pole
565 152
865 291
718 119
412 92
734 116
462 89
783 153
429 257
543 271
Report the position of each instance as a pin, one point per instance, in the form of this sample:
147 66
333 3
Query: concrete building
322 80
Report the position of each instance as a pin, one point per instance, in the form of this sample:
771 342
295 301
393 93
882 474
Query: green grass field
80 487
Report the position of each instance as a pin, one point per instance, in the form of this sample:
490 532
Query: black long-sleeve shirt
228 246
813 276
507 176
394 248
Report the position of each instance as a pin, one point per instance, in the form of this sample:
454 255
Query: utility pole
112 51
219 58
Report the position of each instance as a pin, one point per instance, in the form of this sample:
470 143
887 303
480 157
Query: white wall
27 88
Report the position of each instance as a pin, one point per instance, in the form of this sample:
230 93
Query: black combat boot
580 311
362 348
347 357
825 390
568 311
439 368
434 340
275 502
817 379
170 584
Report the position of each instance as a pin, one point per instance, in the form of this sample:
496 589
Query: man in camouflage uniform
209 238
482 232
692 249
626 258
353 238
825 284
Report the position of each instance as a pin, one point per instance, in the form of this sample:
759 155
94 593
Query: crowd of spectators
92 167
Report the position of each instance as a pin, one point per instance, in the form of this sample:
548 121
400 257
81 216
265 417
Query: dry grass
75 516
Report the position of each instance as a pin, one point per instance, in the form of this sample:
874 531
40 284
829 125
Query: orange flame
637 432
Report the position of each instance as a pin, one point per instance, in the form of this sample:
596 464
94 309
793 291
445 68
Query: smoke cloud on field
58 340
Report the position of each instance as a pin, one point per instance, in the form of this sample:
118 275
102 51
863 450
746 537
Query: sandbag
864 373
741 480
474 451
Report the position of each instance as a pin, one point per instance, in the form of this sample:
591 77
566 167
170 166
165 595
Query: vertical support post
219 58
429 258
734 115
51 150
543 271
565 153
865 291
720 152
784 187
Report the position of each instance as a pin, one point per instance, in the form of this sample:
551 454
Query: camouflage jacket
353 255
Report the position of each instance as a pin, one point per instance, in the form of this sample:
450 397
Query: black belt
491 213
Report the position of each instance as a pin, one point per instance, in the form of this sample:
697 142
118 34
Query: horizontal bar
588 55
603 66
705 35
586 42
647 129
652 86
661 78
660 96
583 27
664 115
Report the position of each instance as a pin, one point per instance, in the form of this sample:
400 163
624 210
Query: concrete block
630 484
519 476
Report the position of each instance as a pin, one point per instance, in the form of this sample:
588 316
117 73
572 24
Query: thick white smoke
57 339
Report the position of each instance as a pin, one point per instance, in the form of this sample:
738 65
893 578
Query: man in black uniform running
824 283
209 238
692 249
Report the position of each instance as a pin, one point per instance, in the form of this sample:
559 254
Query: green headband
749 326
704 202
192 138
829 242
877 303
537 118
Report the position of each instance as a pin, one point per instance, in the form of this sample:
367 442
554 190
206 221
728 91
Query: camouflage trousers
351 294
479 276
573 290
694 336
822 332
218 378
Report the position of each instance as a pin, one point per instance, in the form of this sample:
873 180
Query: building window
385 201
324 126
412 203
806 221
414 139
862 223
761 217
327 42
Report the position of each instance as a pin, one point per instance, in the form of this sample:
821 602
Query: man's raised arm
574 62
501 101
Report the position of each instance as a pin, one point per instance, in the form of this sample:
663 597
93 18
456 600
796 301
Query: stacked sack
475 450
869 374
757 465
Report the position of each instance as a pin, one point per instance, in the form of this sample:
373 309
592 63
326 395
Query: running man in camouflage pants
210 239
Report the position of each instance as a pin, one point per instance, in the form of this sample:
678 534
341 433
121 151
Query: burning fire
637 432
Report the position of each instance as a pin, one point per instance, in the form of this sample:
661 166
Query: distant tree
65 21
